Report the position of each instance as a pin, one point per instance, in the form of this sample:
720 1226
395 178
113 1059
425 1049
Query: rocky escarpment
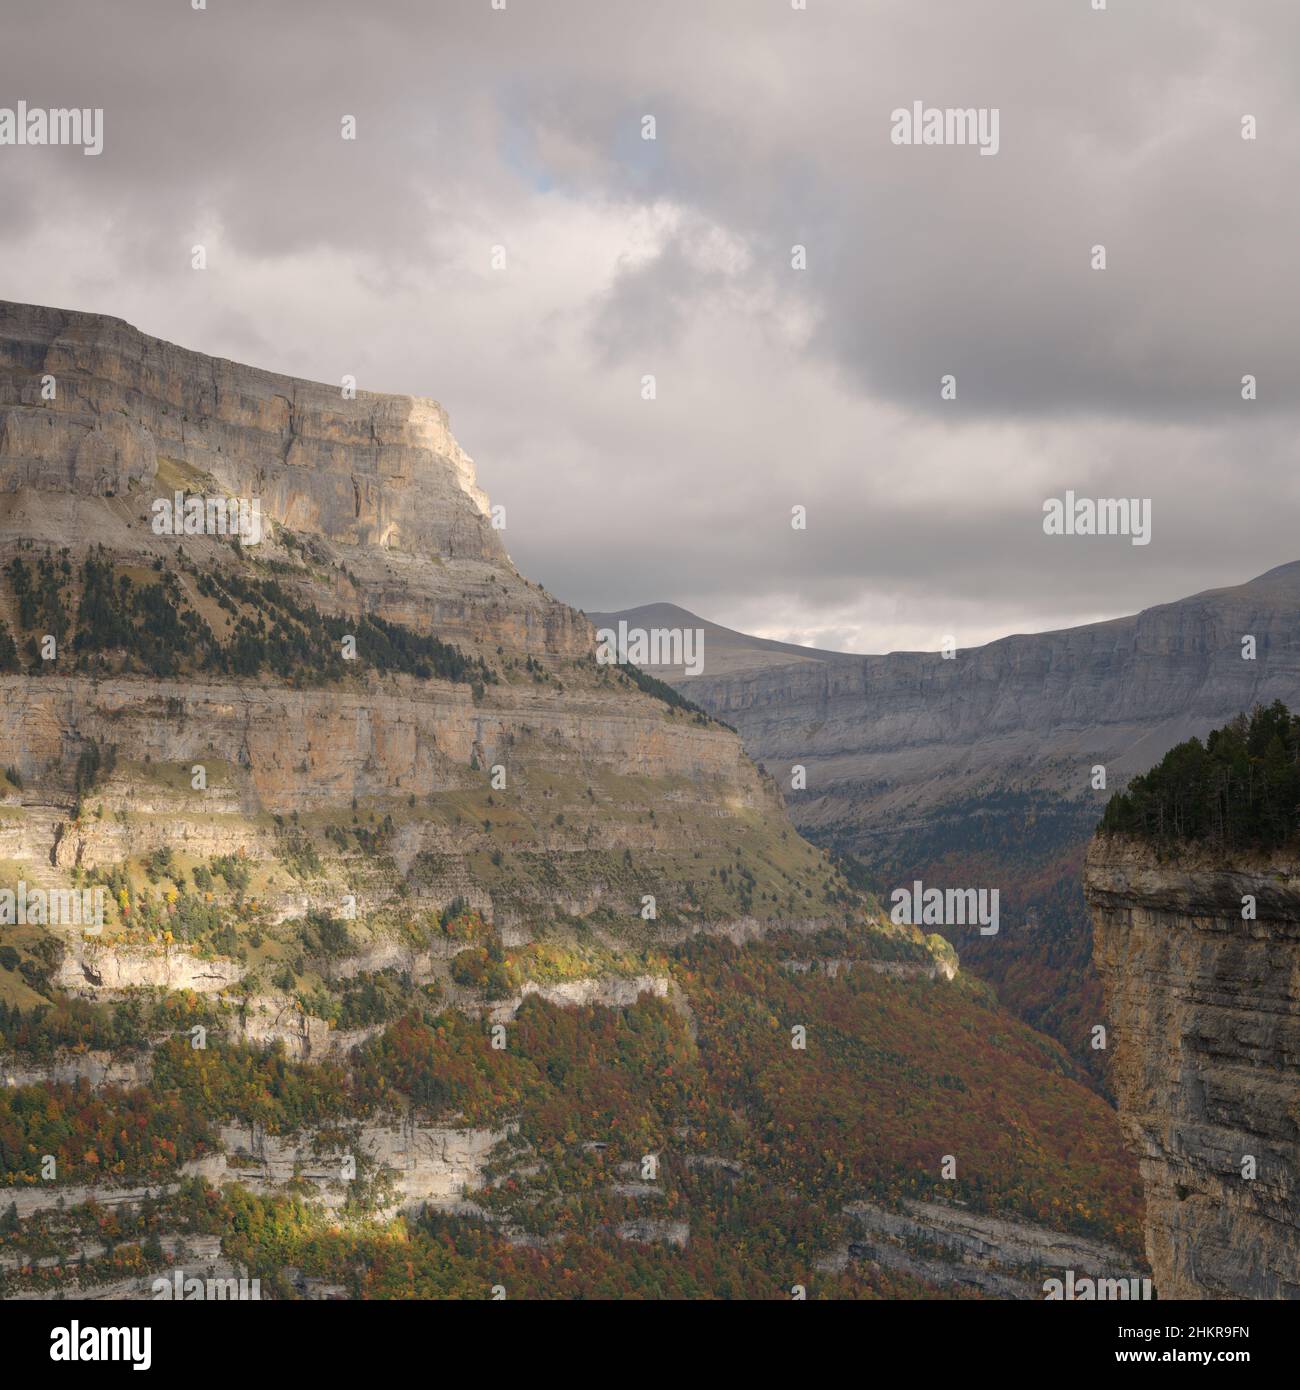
985 765
425 1164
410 1166
890 741
956 1248
507 771
91 969
1203 1010
89 405
187 1257
98 419
323 784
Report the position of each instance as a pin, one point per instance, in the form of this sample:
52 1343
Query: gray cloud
820 387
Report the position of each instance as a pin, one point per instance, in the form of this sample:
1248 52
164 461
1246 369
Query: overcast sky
626 257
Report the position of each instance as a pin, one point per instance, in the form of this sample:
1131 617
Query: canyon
982 768
899 744
398 871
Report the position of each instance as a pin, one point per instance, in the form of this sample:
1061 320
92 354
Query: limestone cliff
891 742
507 770
982 765
97 419
956 1248
424 919
1203 1009
354 467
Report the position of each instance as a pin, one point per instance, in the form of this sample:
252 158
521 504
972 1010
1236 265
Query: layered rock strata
1203 1011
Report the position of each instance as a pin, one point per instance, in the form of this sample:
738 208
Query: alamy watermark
1073 1289
947 125
35 125
52 907
77 1343
208 516
655 646
919 906
1099 516
189 1288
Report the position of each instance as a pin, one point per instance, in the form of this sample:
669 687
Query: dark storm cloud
776 387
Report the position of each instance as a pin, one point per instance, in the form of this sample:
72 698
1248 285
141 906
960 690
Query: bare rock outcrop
954 1247
892 740
105 971
607 991
433 1164
371 510
1203 1007
353 467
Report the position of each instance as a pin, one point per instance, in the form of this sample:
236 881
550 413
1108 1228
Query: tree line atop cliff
1239 789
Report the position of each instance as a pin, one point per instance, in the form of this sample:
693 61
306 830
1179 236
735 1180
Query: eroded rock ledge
1203 1011
954 1247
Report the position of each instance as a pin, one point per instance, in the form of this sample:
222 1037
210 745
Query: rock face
952 1247
426 1163
890 741
378 479
365 469
306 750
1203 1009
608 992
649 1230
96 971
98 1067
370 507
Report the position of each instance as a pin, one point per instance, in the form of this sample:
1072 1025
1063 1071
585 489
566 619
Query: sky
775 387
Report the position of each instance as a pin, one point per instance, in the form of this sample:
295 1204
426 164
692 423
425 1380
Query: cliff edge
364 703
1203 1012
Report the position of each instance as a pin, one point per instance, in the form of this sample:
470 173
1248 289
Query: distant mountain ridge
978 771
728 650
901 735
